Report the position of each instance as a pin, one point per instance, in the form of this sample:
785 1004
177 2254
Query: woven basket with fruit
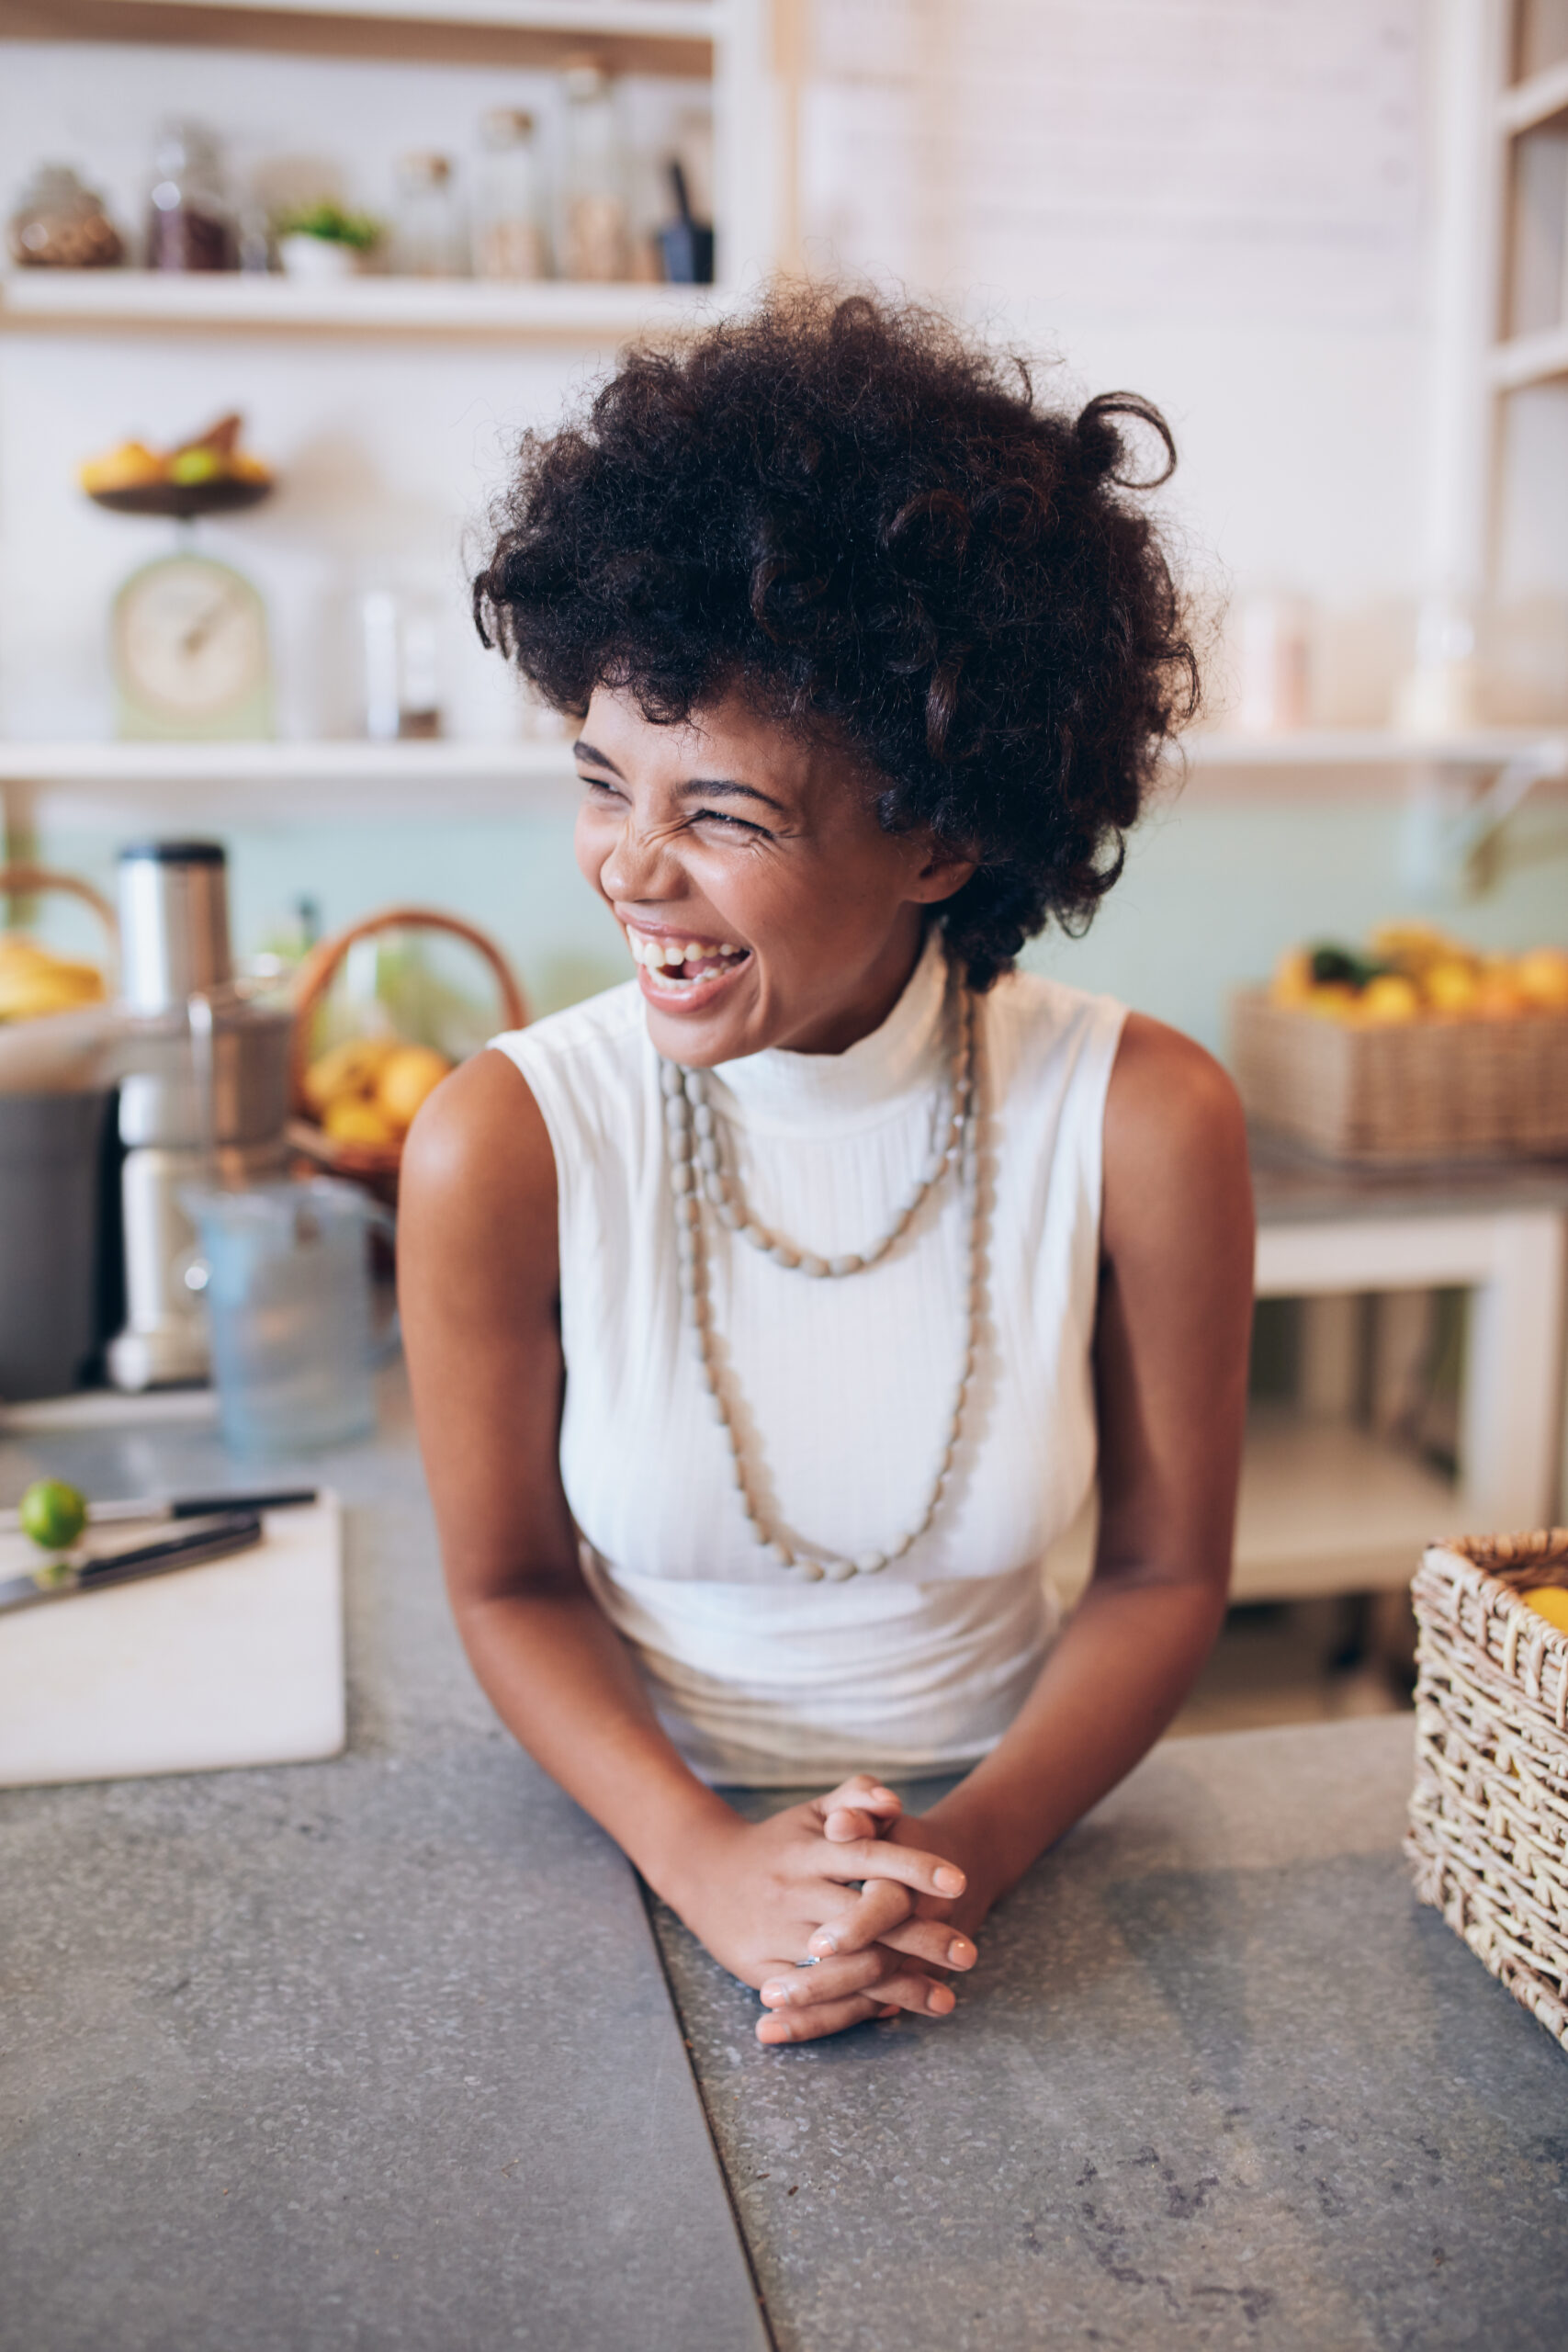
356 1099
54 1020
209 474
1414 1050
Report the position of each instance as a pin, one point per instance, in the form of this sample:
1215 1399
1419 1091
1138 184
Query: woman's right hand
756 1892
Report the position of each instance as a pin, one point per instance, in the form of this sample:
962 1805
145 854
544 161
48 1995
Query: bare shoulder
479 1164
1175 1137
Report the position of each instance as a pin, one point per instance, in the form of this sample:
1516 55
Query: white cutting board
236 1662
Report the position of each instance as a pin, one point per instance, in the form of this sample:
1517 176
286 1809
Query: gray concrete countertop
1217 2082
379 2054
372 2053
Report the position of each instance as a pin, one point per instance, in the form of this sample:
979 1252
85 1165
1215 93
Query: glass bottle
595 243
190 221
508 228
427 240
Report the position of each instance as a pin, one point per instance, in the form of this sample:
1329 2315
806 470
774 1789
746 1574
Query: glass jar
190 221
595 240
427 239
402 665
508 229
59 225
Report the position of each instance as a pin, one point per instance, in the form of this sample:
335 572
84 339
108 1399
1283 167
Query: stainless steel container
202 1101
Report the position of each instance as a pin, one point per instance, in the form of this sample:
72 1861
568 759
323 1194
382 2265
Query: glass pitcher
284 1270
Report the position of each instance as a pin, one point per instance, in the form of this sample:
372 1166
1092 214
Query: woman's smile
764 903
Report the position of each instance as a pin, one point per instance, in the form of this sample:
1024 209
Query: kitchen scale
188 634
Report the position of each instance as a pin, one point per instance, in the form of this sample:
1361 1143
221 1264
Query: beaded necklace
698 1176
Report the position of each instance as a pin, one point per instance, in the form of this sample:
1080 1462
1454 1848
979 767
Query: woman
772 1318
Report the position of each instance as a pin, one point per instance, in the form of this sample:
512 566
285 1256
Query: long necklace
698 1173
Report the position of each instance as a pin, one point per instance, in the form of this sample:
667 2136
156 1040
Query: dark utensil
211 1539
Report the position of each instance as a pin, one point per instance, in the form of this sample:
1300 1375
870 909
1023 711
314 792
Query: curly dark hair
874 527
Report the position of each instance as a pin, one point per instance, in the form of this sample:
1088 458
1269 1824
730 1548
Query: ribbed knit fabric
839 1388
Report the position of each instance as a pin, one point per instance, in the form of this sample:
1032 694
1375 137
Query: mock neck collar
778 1089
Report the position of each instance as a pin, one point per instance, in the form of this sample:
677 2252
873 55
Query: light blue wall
1211 895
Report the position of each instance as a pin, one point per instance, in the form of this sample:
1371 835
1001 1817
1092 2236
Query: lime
53 1514
190 467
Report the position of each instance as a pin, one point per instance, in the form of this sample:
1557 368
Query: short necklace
697 1172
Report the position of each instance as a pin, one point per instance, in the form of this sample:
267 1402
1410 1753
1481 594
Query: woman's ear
939 872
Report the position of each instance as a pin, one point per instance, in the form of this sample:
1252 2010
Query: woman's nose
638 864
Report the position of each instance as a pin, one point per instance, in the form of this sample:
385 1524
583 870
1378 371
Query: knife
210 1539
155 1510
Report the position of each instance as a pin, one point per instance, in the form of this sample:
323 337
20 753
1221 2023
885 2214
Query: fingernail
948 1881
960 1953
886 1795
822 1945
778 1992
940 1999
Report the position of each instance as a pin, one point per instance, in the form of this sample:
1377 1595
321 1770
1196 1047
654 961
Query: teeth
661 955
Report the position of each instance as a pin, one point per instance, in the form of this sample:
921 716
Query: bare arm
479 1279
1170 1367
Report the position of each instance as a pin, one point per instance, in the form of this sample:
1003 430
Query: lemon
351 1119
1541 978
53 1514
1451 987
351 1068
1389 999
413 1072
1549 1601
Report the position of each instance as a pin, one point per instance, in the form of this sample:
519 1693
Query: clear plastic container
508 231
594 242
428 239
190 220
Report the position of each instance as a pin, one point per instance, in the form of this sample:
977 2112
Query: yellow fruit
1331 1000
1496 998
1451 987
1549 1601
1415 947
351 1119
33 982
1541 978
1291 983
127 468
347 1071
413 1072
1387 1000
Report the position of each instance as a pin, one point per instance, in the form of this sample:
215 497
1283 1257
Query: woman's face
762 855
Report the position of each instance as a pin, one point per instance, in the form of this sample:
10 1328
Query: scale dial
190 652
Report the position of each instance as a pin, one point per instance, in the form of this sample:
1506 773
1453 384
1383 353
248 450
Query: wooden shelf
1529 360
1534 101
1328 1507
222 784
664 37
142 300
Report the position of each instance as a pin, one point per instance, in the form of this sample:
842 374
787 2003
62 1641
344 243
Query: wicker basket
1489 1814
1425 1090
374 1165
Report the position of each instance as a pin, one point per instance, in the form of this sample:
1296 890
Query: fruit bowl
183 501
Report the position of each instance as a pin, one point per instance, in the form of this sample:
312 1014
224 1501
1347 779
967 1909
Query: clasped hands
845 1882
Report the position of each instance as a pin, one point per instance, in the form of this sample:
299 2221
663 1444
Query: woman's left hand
887 1934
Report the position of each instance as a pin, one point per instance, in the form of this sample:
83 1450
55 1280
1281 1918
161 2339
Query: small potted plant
322 240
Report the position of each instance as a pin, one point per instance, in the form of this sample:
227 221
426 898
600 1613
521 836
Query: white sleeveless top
840 1389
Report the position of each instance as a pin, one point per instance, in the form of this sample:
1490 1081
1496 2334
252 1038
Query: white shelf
220 783
1354 747
1534 101
1529 360
1326 1507
573 20
110 784
228 301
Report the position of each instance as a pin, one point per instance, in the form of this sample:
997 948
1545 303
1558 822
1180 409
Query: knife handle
232 1532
